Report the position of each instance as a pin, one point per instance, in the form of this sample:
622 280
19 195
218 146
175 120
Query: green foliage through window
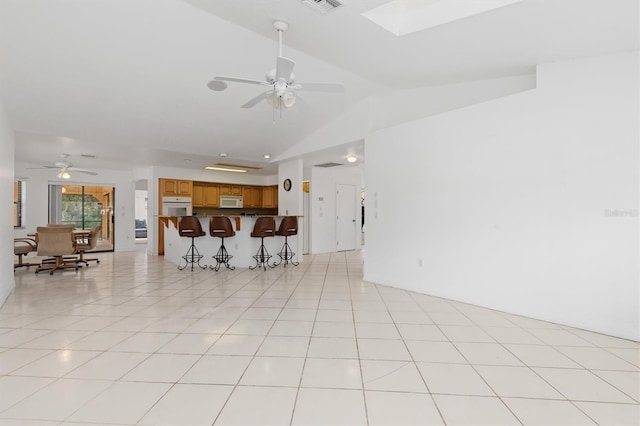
72 210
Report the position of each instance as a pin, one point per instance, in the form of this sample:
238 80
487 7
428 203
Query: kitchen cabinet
211 195
251 196
198 195
205 194
270 197
175 188
228 189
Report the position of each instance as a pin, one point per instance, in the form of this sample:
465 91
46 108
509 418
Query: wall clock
287 184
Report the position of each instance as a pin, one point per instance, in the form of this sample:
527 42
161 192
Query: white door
345 217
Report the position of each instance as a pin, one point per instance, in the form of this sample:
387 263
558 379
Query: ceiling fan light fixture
64 175
352 158
287 100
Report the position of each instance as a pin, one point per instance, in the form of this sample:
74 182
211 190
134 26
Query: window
84 207
18 203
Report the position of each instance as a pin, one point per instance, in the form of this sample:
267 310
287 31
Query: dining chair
56 242
49 260
89 243
21 248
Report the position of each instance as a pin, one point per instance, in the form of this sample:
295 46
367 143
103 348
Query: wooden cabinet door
247 200
198 199
168 187
256 197
268 200
251 196
228 189
236 190
185 188
225 189
176 187
211 197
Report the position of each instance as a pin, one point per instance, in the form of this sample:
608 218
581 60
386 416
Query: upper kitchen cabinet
270 197
229 189
176 188
205 194
252 196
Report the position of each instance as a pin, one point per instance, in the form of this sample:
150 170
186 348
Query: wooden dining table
78 234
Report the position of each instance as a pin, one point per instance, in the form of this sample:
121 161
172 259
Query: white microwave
230 201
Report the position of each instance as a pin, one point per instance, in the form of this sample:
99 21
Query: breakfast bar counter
241 246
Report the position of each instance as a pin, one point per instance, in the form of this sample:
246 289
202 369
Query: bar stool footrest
222 257
262 258
192 257
287 254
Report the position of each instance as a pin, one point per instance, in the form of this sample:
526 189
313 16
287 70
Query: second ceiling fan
280 81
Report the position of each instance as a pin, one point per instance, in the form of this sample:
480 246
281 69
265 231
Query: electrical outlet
420 262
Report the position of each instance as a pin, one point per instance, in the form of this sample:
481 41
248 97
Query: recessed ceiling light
267 156
223 154
225 169
352 158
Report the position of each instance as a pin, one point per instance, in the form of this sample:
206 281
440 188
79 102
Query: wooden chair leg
21 263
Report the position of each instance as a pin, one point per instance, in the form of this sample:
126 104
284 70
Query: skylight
402 17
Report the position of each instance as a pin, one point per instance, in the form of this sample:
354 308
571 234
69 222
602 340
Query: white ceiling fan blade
320 87
41 168
88 172
239 80
255 100
284 68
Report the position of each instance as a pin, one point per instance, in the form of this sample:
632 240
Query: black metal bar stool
189 226
288 227
220 226
264 227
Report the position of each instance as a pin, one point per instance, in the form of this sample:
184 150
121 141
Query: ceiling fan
280 81
65 167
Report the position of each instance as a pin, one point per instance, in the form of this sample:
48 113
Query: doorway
84 207
345 217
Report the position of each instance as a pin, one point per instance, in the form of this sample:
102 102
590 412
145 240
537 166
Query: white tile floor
135 341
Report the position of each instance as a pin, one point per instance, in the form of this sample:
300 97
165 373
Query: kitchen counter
241 246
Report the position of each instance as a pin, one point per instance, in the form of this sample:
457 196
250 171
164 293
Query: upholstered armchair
21 248
56 242
88 244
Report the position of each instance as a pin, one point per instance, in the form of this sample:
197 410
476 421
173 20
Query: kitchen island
241 246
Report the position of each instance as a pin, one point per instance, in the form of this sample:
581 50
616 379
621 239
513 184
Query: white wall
37 199
402 106
290 202
509 203
7 146
395 107
322 206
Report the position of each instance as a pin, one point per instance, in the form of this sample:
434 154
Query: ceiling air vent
322 6
330 164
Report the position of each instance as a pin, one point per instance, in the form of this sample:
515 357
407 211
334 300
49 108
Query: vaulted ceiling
125 80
